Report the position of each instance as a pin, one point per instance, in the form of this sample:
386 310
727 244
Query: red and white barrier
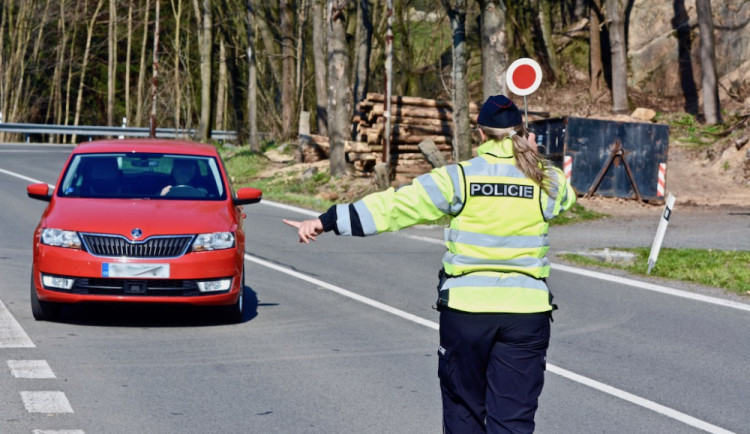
568 166
661 182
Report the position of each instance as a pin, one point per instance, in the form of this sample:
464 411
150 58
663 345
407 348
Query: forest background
253 66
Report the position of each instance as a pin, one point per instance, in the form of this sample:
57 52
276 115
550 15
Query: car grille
147 287
153 247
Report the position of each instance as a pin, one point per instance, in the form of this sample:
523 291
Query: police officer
495 306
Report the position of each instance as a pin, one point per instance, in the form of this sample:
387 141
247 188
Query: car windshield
143 175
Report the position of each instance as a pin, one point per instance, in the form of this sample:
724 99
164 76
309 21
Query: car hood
152 217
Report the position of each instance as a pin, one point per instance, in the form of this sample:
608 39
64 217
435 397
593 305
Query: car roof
163 146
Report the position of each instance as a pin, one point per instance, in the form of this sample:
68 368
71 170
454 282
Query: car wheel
235 313
42 310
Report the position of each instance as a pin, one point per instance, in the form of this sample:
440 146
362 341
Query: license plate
154 271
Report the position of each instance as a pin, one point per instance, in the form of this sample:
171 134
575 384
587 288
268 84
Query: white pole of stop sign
656 246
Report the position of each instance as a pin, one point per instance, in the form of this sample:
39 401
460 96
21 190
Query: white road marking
64 431
658 408
25 178
46 402
30 369
653 287
11 333
344 292
637 400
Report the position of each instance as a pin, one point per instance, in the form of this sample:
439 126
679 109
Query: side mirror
39 191
247 196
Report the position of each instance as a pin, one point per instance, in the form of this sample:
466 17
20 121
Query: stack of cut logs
413 120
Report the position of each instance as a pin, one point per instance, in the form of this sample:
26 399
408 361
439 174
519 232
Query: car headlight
61 238
213 241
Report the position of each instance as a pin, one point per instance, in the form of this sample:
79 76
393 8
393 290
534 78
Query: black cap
499 112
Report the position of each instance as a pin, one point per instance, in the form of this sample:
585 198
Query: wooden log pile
413 120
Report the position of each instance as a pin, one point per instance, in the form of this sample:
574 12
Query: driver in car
183 172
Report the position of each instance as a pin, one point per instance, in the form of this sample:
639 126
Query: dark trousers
491 369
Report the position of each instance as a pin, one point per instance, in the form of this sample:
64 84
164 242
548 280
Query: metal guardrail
96 131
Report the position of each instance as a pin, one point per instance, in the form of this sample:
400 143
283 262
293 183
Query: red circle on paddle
524 76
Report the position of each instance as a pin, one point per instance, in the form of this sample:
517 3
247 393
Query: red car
146 220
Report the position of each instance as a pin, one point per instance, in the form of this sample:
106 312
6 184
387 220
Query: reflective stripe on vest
436 195
511 292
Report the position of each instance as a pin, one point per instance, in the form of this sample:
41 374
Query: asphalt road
342 339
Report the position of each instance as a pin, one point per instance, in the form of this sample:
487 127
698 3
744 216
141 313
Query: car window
143 175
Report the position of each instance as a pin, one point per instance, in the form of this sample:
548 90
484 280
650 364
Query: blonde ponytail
528 160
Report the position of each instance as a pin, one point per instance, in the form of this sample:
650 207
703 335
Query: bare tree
321 70
140 102
205 38
709 83
252 79
89 34
177 13
545 19
363 45
128 55
111 61
288 100
494 50
616 18
456 10
339 90
221 91
596 72
155 70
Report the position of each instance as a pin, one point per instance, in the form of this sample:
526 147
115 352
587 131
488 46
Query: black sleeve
355 222
329 220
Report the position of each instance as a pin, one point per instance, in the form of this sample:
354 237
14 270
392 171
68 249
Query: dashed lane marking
46 402
30 369
11 333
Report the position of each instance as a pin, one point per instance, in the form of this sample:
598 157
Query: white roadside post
656 246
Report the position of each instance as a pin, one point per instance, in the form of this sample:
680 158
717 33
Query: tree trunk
494 51
155 71
177 13
545 18
205 38
462 125
69 82
288 92
252 80
363 48
128 56
616 17
299 85
221 90
709 83
87 50
595 52
339 90
141 85
111 62
321 71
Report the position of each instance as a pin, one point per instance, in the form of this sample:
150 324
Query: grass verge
727 269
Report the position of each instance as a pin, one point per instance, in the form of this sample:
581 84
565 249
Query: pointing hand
307 229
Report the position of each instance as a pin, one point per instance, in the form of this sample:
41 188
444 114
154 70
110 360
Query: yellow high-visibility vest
497 241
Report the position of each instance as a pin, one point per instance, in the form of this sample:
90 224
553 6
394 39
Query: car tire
43 310
235 313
